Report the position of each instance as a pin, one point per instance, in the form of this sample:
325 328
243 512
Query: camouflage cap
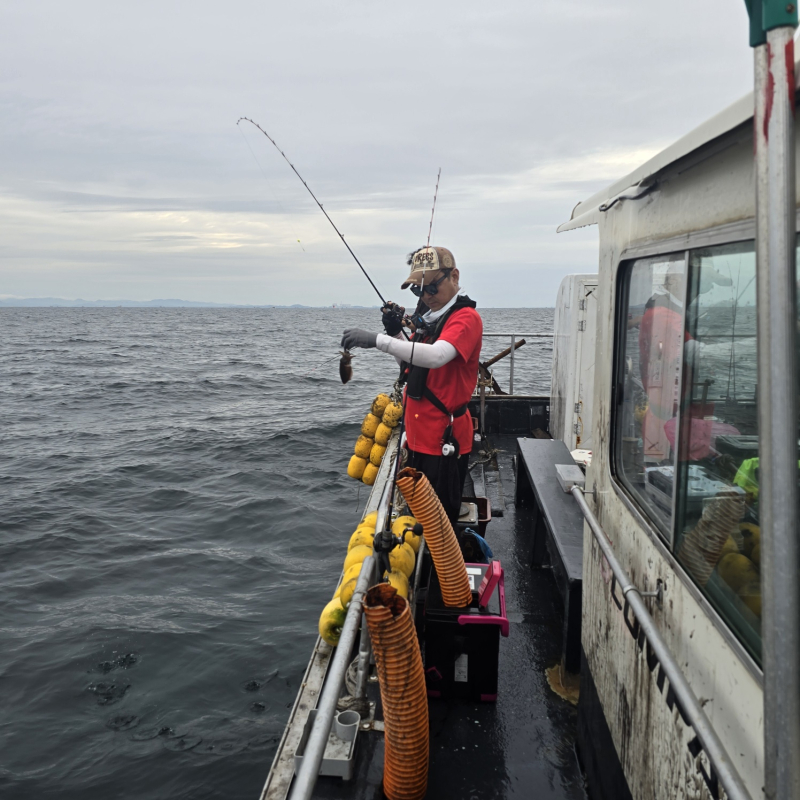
428 260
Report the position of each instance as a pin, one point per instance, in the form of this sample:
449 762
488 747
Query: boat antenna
344 241
435 193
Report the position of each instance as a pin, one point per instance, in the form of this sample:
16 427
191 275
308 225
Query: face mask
432 316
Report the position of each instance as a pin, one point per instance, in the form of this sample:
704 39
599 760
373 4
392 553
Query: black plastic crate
462 644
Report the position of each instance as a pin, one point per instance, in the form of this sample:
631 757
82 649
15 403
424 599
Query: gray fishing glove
355 337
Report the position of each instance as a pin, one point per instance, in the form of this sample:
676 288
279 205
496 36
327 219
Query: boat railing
688 705
306 777
515 339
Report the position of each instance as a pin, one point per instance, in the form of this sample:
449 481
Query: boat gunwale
309 688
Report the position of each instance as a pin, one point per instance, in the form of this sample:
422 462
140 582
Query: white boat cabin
675 463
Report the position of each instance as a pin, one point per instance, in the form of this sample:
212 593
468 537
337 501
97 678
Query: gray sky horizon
124 174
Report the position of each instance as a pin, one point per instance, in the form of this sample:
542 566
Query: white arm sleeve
431 356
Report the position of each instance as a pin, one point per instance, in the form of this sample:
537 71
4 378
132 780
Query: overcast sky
123 173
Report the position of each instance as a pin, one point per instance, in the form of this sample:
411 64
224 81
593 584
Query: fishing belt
416 378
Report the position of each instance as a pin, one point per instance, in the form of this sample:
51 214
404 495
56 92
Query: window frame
624 268
730 233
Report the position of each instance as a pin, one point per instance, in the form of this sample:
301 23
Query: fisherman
439 365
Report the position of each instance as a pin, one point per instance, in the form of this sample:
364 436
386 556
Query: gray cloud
123 172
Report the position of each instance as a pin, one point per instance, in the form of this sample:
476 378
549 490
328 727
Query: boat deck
524 744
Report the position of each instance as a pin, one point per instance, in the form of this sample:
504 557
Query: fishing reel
393 318
395 313
416 323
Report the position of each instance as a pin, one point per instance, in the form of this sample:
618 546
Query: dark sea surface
174 511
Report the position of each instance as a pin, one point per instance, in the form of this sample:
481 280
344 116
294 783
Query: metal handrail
693 711
513 337
306 777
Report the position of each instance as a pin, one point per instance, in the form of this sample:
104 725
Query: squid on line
345 365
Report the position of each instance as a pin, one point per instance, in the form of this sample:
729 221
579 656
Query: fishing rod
344 241
433 210
416 317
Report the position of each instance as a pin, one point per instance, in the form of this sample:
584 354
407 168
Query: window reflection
652 359
717 529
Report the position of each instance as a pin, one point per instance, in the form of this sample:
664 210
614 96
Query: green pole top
768 14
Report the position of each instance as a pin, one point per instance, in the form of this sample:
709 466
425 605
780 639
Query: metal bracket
370 723
658 593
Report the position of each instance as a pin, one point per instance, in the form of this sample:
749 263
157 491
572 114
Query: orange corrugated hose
439 537
403 693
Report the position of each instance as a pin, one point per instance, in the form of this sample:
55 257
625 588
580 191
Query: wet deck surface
524 744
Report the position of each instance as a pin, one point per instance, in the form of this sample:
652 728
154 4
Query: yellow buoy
370 473
348 589
402 559
363 446
729 547
382 434
357 555
331 621
355 469
376 454
399 581
348 584
370 519
750 595
379 404
755 553
370 425
751 534
736 570
361 536
401 523
354 570
364 530
391 416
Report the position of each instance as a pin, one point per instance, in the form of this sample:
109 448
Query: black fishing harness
416 378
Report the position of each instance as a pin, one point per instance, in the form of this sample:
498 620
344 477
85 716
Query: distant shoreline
59 302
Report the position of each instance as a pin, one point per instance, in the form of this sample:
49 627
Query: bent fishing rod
344 241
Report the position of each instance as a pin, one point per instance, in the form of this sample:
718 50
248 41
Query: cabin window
652 332
686 425
716 520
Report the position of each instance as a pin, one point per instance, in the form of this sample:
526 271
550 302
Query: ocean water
174 511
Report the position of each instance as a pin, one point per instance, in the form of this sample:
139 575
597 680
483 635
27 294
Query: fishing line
294 169
322 363
274 194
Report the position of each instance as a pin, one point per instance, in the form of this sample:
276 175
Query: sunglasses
431 288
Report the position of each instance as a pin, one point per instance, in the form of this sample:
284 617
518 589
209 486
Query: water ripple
174 505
